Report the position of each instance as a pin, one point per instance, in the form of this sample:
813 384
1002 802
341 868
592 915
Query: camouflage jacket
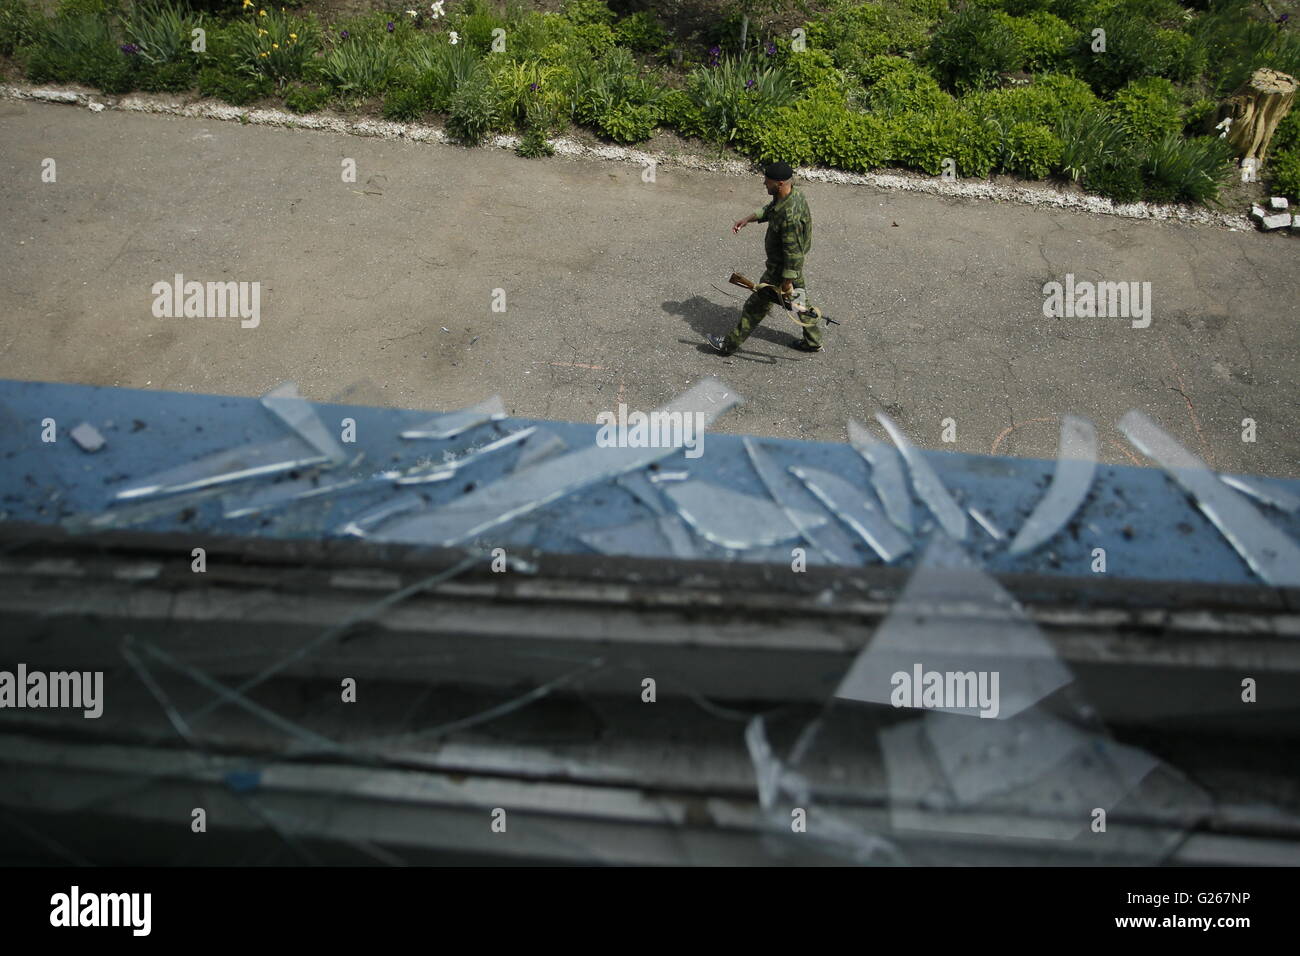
789 233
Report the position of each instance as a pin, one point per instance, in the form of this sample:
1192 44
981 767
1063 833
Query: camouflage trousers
756 308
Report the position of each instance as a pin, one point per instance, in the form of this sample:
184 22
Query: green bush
587 11
1287 134
1120 181
1284 169
1044 40
735 90
359 69
82 48
299 98
842 138
19 25
1032 150
898 85
1235 44
1148 108
233 87
679 111
971 48
924 140
274 44
641 32
1186 170
812 70
854 32
1091 142
773 136
1049 100
474 113
1135 49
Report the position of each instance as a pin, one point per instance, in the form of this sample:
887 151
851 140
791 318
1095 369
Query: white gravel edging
980 190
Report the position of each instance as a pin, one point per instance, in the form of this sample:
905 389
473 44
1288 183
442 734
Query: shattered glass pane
451 424
542 445
1269 552
446 470
295 411
1076 463
359 525
929 488
986 523
642 538
224 467
521 493
1261 489
796 500
735 520
850 505
886 475
952 617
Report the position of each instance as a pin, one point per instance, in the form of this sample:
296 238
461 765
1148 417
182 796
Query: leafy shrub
1235 44
1048 101
1284 167
360 69
475 20
1134 49
274 44
1148 108
520 85
82 48
924 140
433 73
898 85
776 136
972 47
1032 150
1120 181
842 138
18 25
1189 170
641 32
737 88
233 87
474 112
587 11
679 111
854 32
1044 40
1287 134
812 70
1091 141
300 98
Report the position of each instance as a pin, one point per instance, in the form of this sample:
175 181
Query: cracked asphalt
610 284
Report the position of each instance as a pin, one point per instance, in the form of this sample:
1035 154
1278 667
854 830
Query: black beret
779 171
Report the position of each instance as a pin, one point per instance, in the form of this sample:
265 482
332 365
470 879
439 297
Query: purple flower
390 26
749 84
771 49
533 87
343 34
130 48
714 50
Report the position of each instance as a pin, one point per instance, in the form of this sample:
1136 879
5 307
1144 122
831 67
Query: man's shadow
705 316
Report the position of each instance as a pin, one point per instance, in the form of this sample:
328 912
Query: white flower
413 13
436 9
455 37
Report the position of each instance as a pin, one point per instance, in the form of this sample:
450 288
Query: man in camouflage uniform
788 240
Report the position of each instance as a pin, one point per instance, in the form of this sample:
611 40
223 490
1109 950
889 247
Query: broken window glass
1076 462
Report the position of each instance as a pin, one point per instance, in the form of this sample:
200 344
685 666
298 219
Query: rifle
795 309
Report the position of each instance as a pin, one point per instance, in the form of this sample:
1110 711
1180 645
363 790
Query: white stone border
1024 195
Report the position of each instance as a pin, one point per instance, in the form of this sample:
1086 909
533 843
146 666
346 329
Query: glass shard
953 618
552 480
851 506
886 475
735 520
223 467
1268 552
929 488
1076 463
1261 489
446 470
661 476
359 525
451 424
543 444
299 414
796 500
640 538
986 523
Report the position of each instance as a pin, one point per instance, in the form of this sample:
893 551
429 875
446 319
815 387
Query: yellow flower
261 13
261 32
293 36
263 54
247 4
275 46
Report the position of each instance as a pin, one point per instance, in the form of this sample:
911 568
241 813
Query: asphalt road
610 284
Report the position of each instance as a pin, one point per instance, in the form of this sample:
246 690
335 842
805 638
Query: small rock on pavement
1279 221
88 437
96 107
1279 203
1258 212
